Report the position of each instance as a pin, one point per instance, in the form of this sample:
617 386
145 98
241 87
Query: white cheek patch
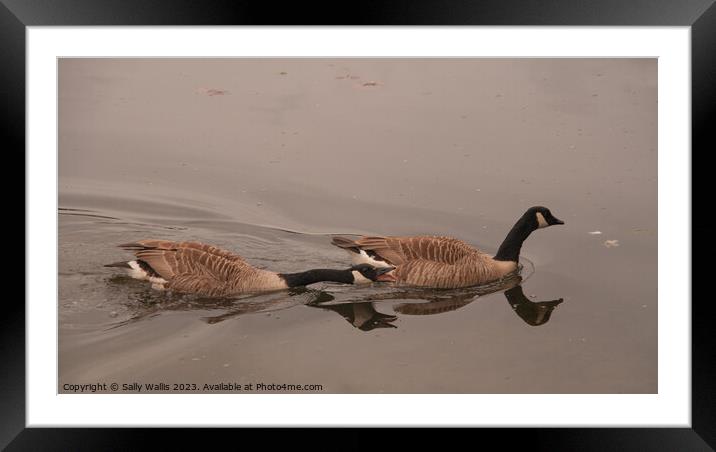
360 279
541 222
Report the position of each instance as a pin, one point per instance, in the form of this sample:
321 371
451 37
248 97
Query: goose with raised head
198 268
446 262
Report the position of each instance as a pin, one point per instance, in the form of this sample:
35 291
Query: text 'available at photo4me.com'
139 387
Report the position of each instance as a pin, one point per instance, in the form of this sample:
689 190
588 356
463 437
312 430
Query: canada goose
445 262
198 268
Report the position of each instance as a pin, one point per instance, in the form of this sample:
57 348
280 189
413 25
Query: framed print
360 226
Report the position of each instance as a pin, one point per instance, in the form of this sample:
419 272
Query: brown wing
386 248
170 245
181 261
401 250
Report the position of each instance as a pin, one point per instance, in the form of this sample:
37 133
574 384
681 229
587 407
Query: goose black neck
317 275
511 246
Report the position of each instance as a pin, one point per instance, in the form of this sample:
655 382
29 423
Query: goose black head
366 273
541 217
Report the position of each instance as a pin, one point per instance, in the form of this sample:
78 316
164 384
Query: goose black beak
383 274
556 221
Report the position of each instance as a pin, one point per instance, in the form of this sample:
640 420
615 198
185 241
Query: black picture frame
700 15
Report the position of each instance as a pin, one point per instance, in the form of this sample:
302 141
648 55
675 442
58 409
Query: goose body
446 262
428 261
202 269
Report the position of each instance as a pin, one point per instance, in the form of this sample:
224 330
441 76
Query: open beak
385 274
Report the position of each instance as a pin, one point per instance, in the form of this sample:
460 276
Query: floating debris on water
212 91
595 232
641 231
283 73
611 243
371 83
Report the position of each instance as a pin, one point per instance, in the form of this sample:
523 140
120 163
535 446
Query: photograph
357 225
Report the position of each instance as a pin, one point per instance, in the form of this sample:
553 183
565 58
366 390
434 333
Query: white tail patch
136 272
158 286
362 258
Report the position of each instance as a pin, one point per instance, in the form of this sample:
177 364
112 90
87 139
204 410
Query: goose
202 269
445 262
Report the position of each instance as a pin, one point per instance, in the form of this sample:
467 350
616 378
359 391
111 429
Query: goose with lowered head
198 268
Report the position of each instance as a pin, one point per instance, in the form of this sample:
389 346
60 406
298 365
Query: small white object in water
595 232
611 243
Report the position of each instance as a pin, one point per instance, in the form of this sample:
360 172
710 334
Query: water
268 158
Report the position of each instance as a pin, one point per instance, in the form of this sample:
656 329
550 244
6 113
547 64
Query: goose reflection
364 315
145 304
361 315
359 310
533 313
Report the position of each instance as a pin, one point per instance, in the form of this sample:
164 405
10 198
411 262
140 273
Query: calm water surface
268 158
